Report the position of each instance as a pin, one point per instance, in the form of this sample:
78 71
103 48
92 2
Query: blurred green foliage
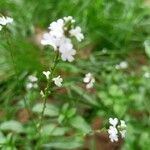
115 31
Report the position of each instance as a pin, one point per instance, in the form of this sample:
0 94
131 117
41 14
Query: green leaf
2 139
50 110
147 47
53 130
79 123
65 143
12 125
114 90
86 97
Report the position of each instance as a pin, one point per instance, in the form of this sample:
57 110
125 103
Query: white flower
57 37
69 18
89 80
9 20
29 85
48 39
122 128
66 50
56 28
113 122
5 20
122 65
147 75
58 81
113 133
65 45
32 78
31 82
47 74
115 129
76 32
68 55
90 84
123 124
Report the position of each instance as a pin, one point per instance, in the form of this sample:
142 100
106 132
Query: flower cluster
57 80
89 80
4 21
32 82
59 37
115 129
122 65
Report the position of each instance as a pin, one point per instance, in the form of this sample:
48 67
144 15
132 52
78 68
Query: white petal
47 74
113 122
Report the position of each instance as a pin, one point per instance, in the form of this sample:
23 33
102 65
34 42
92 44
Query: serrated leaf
50 110
12 125
79 123
53 130
65 143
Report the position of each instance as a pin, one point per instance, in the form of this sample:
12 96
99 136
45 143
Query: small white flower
89 80
122 128
58 81
113 133
123 133
76 32
147 75
5 20
90 84
31 82
113 122
9 20
65 45
47 74
68 55
29 86
122 65
123 124
69 18
56 28
104 50
32 78
48 39
115 129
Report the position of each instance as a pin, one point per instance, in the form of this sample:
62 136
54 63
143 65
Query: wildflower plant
114 129
59 38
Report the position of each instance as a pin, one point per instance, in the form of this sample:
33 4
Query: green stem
47 90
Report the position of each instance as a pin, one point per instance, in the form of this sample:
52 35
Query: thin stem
47 90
